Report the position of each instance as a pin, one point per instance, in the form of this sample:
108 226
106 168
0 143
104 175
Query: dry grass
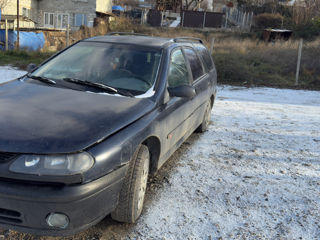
253 62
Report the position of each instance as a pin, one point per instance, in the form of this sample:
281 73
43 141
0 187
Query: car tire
133 190
206 119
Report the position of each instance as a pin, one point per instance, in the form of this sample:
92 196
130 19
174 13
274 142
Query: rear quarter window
205 55
195 63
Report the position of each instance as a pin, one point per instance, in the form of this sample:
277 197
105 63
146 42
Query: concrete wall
67 7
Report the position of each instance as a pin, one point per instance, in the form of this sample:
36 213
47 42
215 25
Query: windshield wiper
42 79
90 84
125 92
99 86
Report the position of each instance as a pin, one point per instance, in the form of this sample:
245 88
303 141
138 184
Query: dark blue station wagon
81 133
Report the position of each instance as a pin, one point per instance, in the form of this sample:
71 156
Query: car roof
141 40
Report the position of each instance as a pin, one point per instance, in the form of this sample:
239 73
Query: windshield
119 66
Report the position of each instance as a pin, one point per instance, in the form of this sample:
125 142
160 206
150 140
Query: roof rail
126 33
184 39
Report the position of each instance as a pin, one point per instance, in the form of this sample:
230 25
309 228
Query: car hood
44 119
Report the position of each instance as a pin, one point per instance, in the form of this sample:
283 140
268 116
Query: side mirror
31 67
184 91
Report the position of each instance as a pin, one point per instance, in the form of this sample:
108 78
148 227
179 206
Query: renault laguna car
81 133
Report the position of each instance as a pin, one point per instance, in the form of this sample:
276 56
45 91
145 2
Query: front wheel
134 187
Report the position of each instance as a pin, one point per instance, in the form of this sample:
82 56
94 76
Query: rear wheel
206 119
134 187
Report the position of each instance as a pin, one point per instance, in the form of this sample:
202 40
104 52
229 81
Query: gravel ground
255 174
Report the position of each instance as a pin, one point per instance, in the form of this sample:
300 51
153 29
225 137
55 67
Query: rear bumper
25 207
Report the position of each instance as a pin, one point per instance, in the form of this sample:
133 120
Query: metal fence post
204 20
211 45
238 17
141 18
182 20
226 24
299 61
251 21
68 35
243 24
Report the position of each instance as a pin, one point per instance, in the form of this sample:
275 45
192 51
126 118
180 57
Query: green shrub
309 30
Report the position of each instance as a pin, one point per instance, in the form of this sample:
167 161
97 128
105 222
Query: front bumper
25 207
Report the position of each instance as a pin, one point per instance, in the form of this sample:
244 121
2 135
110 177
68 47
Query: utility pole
6 35
18 25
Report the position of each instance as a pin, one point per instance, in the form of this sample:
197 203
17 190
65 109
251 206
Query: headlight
55 165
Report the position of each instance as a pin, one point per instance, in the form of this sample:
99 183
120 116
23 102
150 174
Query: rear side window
195 63
204 53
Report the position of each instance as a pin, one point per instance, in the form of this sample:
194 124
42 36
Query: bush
121 24
268 20
309 30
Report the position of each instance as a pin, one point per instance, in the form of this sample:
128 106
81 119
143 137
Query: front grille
10 216
6 156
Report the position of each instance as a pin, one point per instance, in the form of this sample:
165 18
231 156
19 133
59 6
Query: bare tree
192 4
313 6
163 5
254 2
205 5
132 3
3 3
306 10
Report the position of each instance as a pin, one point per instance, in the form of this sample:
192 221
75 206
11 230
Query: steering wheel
136 76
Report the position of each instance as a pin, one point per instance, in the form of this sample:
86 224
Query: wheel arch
154 145
212 100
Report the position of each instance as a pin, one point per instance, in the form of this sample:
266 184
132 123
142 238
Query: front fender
118 149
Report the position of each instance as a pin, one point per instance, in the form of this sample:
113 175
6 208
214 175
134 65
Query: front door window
178 70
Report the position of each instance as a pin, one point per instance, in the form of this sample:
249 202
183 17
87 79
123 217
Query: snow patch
8 73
